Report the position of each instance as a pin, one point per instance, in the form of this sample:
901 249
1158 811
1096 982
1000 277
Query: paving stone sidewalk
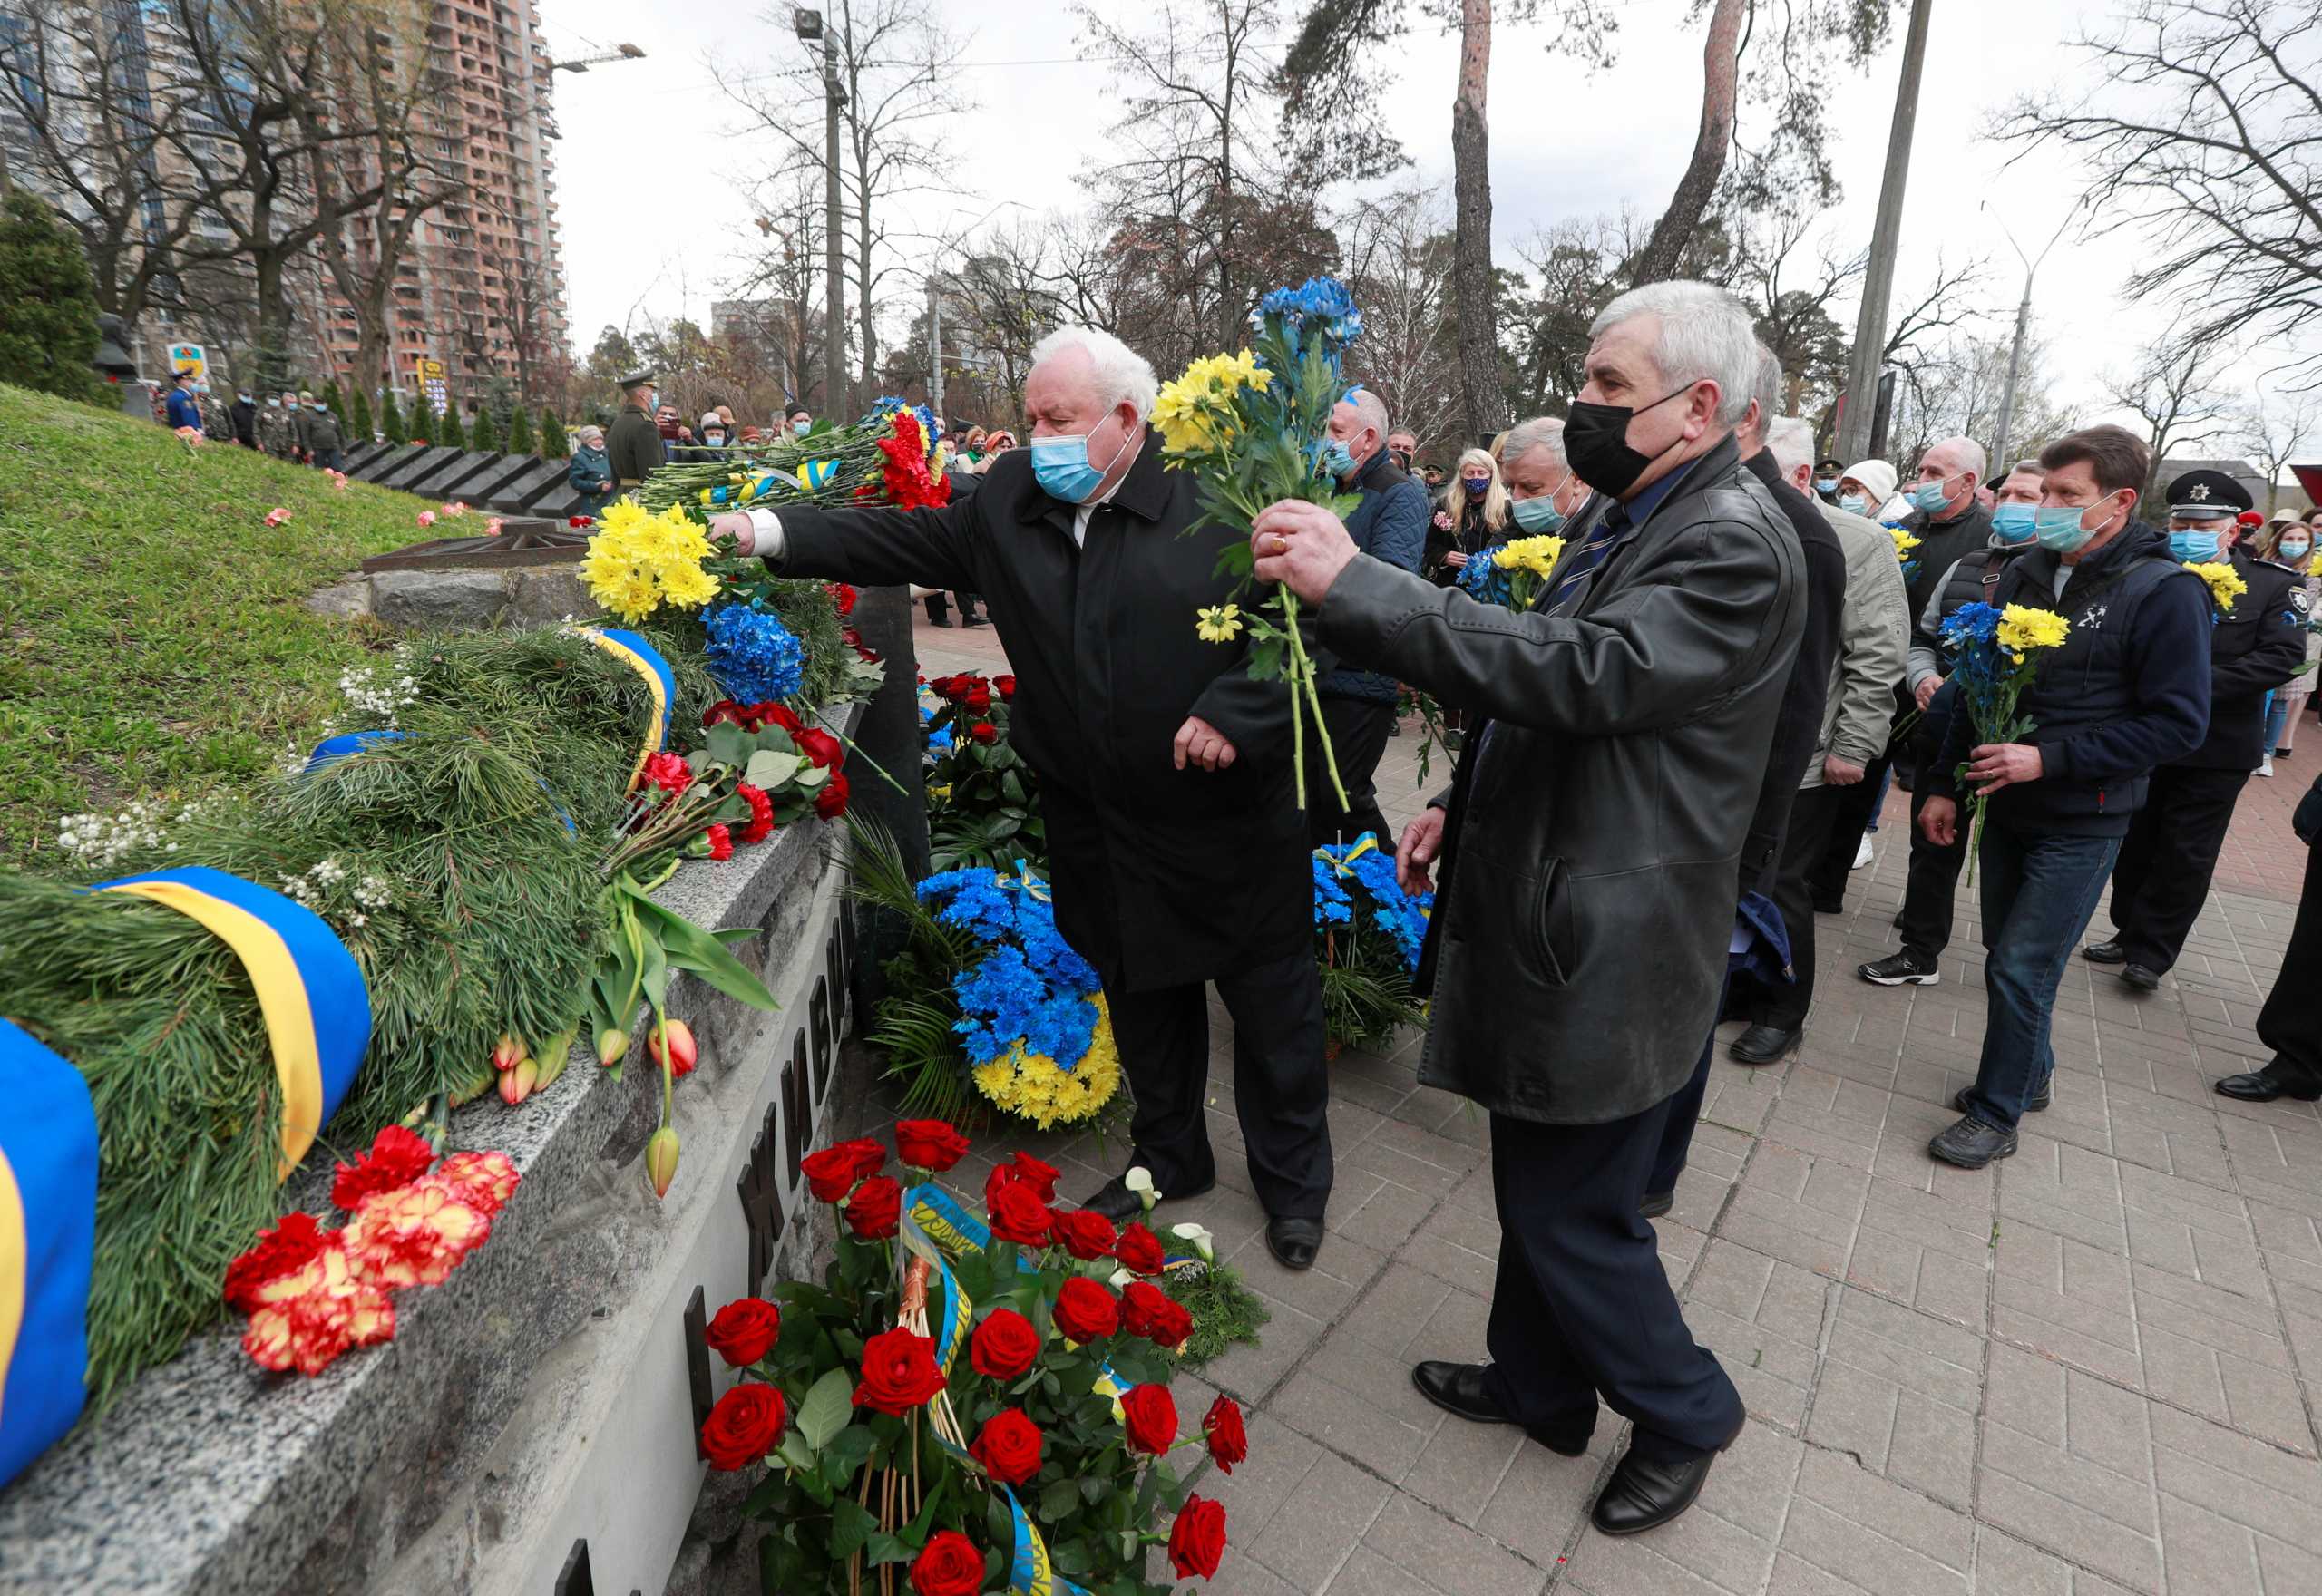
2090 1369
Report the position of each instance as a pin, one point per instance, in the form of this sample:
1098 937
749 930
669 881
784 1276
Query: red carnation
1004 685
744 1330
1197 1540
1008 1446
577 522
397 1157
1085 1311
1140 1249
293 1244
830 801
875 1209
1149 1417
666 772
841 595
985 731
1085 1234
761 824
932 1144
746 1425
899 1373
721 842
1017 1214
820 746
949 1566
1229 1443
1004 1344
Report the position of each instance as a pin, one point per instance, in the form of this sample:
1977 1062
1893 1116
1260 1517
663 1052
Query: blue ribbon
48 1226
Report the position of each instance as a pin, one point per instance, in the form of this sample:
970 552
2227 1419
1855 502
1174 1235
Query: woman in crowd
2289 542
591 471
1469 519
1865 489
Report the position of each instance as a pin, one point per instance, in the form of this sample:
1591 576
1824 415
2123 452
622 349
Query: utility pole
809 27
1879 283
2000 462
935 344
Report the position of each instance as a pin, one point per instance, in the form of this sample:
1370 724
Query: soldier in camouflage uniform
276 434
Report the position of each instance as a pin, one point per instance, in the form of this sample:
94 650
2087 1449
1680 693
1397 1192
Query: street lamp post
2000 462
808 25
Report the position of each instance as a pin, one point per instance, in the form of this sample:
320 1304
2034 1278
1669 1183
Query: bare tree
787 273
2274 429
1954 388
1399 265
2201 136
894 64
2171 390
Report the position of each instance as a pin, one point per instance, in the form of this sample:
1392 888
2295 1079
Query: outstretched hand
1302 546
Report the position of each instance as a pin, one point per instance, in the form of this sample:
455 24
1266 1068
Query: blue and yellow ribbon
642 658
48 1223
347 744
309 989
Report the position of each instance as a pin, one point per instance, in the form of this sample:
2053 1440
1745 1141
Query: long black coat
1162 877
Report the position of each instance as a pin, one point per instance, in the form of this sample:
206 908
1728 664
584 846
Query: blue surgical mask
1854 504
2058 527
1337 458
2295 548
2191 547
1476 486
2013 522
1826 485
1062 465
1537 517
1930 496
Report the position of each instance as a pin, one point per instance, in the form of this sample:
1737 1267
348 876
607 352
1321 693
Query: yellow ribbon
15 1265
281 1000
653 731
1344 866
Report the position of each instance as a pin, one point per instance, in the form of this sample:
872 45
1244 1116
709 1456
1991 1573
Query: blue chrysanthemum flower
753 655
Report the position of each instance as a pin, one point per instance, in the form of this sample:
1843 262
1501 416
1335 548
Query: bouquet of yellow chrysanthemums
1251 427
1998 654
639 561
1904 543
2225 586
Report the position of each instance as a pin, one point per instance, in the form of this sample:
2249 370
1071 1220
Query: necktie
1588 558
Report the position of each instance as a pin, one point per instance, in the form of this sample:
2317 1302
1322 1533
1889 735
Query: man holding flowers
2124 687
1592 842
1177 855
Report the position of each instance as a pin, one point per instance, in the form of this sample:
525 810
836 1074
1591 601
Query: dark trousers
1280 1083
1811 816
1581 1306
1685 1113
1928 893
938 611
2162 877
325 459
1358 729
1826 876
2039 890
2291 1022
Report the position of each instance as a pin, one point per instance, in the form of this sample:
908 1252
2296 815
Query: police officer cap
637 379
2208 495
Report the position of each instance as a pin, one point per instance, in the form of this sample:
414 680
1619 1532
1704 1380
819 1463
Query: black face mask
1597 443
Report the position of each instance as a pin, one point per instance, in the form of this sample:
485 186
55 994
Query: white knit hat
710 418
1876 475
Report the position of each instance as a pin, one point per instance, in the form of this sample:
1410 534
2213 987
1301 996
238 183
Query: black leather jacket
1592 853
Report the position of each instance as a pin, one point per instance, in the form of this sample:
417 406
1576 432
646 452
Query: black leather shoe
1643 1494
2263 1085
974 620
1762 1044
1116 1203
2141 978
2105 953
1294 1241
1657 1204
2041 1095
1459 1388
1971 1144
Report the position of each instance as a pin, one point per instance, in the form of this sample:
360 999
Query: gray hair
1965 451
587 434
1706 335
1767 390
1790 441
1369 410
1541 432
1120 374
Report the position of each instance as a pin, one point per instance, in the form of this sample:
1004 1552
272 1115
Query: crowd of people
291 425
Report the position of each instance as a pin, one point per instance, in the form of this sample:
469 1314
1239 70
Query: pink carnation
277 516
426 518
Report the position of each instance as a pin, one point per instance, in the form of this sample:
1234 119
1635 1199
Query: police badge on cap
2208 495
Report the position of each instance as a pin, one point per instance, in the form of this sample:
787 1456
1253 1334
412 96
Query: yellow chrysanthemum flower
688 587
2022 628
1033 1086
1904 541
1219 623
2225 583
1537 555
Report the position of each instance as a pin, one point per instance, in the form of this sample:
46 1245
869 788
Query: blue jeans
2039 890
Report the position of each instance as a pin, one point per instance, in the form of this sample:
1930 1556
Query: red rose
876 1208
1004 685
289 1246
397 1157
985 731
1139 1250
932 1144
1171 1323
1008 1446
1037 1174
1085 1311
1004 1344
841 595
979 699
949 1566
1197 1540
1085 1234
831 1174
746 1425
1148 1311
772 712
725 711
1222 1426
830 802
1149 1415
899 1373
1017 1214
744 1330
819 746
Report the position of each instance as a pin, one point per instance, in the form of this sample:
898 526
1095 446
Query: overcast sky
652 165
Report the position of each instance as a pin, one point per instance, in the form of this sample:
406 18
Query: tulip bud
679 1044
506 1051
612 1045
661 1160
517 1083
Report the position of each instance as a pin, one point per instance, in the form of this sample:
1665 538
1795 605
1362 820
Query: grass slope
151 640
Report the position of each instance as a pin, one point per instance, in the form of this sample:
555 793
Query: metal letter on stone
796 1111
818 1010
576 1580
697 1365
762 1199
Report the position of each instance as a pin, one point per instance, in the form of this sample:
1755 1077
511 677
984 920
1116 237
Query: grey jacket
1873 639
1592 852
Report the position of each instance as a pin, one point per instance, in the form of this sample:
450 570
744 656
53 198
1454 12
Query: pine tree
449 434
554 445
391 425
331 398
48 311
520 431
359 419
484 436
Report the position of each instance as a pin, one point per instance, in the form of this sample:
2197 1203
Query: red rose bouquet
983 805
963 1385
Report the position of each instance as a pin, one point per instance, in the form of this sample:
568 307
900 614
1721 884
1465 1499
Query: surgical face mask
2191 546
1596 442
273 404
2296 548
1537 517
1826 485
801 426
1477 487
714 439
1062 465
1931 497
1337 458
1854 504
2013 522
2058 527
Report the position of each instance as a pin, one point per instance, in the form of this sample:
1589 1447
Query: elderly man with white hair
1178 854
1544 493
1592 843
